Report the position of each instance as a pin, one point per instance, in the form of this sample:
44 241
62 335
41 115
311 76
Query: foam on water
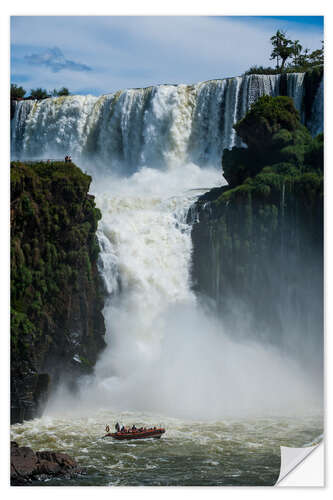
224 452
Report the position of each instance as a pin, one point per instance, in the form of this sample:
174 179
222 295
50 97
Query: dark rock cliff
57 328
258 243
259 255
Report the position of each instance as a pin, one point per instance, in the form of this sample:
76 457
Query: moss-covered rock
266 117
273 134
56 293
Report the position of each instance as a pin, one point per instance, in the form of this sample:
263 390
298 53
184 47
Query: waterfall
259 85
164 126
295 89
22 112
163 347
151 152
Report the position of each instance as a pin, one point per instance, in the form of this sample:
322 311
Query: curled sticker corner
291 458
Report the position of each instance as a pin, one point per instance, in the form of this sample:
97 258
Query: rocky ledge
27 465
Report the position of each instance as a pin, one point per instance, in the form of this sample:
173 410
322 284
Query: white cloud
53 58
140 51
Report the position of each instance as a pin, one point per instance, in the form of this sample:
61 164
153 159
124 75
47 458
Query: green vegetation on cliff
17 92
276 142
300 61
56 294
281 159
290 57
259 241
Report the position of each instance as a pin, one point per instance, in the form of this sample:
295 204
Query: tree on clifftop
289 56
296 50
38 93
61 92
17 92
282 48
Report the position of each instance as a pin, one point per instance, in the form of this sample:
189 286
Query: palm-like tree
297 49
283 48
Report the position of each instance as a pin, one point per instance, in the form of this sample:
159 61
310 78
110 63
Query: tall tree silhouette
282 48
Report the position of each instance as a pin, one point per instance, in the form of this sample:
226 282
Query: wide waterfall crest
160 127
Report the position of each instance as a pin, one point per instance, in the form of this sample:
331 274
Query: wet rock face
26 465
260 258
57 327
258 242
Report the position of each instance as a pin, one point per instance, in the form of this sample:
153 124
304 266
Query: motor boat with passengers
124 433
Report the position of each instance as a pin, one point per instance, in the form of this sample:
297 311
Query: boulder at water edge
27 465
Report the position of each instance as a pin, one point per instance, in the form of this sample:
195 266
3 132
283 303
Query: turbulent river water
240 451
227 405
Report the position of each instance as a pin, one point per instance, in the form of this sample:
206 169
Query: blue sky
102 54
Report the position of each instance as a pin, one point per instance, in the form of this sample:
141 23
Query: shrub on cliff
314 156
38 93
266 118
61 92
273 134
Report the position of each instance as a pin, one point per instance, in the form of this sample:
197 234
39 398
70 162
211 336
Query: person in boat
123 429
133 428
117 427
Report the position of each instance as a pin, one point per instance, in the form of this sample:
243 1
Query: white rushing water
151 151
161 126
166 352
227 452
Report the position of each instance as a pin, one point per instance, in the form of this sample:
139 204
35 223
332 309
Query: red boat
137 434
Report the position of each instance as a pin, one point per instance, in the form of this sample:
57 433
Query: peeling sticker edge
291 458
